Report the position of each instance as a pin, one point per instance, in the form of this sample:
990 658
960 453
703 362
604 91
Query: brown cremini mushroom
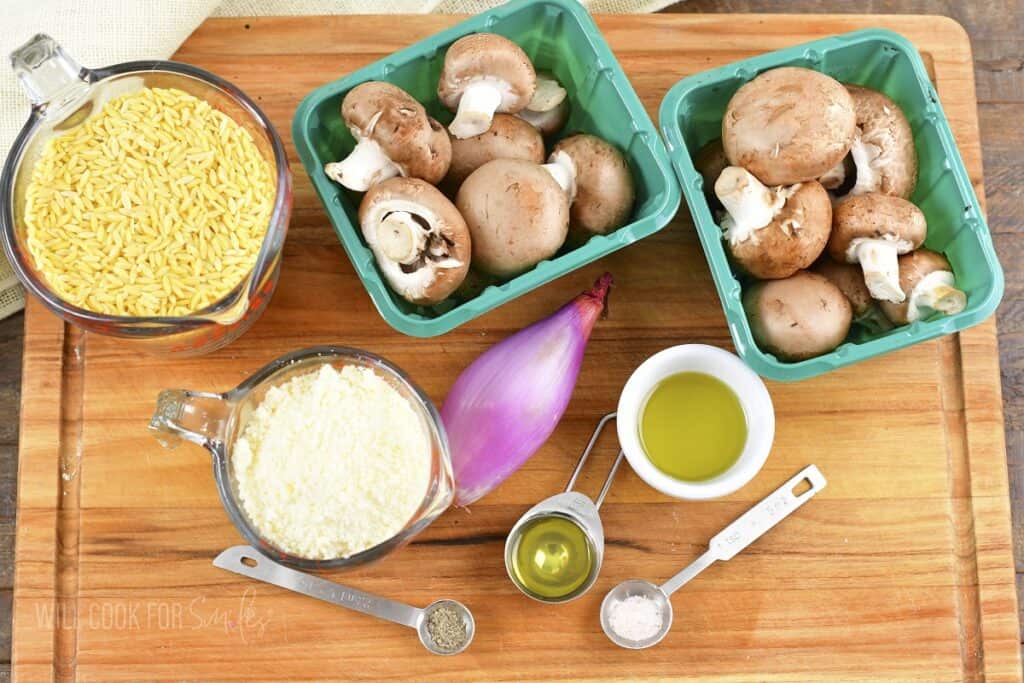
789 125
710 161
850 281
928 280
394 136
799 317
484 73
517 214
507 138
883 146
548 110
597 181
772 233
873 230
419 239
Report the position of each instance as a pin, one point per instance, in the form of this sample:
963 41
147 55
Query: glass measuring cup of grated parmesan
230 424
156 210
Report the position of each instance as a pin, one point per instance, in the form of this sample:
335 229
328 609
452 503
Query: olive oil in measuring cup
551 557
692 426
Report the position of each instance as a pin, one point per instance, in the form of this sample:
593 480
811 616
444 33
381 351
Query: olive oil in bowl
551 558
692 426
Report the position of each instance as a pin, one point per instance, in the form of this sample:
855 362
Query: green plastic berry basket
691 116
560 37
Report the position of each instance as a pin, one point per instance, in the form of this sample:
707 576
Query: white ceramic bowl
745 383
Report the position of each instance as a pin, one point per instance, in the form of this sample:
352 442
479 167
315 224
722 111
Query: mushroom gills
749 204
879 259
479 101
364 167
935 292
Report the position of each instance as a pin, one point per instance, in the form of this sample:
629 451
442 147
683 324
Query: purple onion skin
506 404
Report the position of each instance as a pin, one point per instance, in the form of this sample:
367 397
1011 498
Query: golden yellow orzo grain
132 212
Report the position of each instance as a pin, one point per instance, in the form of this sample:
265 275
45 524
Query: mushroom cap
876 216
913 267
789 125
793 240
508 138
392 118
799 317
517 214
548 110
710 161
446 259
881 122
850 281
490 57
604 186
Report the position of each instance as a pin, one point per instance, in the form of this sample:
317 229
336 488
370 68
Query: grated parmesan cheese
331 463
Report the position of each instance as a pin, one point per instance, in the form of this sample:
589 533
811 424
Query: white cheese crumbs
331 463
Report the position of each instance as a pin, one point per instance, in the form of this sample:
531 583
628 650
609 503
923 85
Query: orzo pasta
156 206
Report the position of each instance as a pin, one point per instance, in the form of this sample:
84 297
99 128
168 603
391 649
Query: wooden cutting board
901 569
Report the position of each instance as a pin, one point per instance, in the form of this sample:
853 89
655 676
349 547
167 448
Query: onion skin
506 404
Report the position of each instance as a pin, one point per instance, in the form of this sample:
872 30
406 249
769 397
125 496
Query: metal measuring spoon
753 524
245 560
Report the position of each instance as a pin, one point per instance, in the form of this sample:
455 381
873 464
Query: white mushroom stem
867 158
935 292
834 177
477 105
750 205
879 259
365 166
548 95
401 238
563 170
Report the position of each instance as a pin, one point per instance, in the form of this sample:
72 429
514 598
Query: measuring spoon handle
245 560
766 514
751 525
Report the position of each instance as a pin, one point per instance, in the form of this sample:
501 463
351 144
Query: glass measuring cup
214 421
578 509
64 95
750 526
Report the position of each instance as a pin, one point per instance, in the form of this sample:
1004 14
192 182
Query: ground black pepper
446 628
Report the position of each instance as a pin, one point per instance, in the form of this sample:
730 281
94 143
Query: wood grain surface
877 580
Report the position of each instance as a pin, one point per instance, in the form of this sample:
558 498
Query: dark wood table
996 28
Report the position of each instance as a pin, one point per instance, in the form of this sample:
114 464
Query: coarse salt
635 618
331 463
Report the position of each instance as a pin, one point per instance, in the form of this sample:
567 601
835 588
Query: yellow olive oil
552 557
692 426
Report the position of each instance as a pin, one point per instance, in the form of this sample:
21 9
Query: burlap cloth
102 32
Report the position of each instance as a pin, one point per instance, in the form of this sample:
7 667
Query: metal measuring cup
749 527
245 560
578 509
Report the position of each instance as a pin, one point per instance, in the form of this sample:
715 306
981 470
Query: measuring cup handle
196 416
244 560
766 514
54 83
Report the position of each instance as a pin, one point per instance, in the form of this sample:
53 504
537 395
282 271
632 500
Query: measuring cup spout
195 416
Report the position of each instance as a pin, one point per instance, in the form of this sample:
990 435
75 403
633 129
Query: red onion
505 405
